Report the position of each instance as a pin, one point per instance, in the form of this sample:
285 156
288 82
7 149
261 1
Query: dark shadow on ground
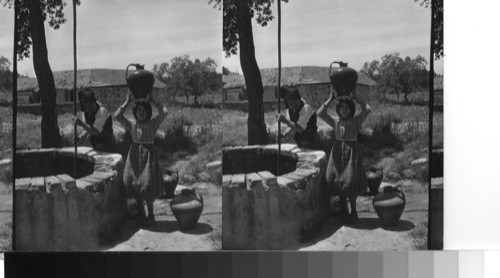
166 226
374 223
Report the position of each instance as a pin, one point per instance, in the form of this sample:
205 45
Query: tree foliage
394 73
52 11
189 77
371 69
437 26
260 10
30 32
5 74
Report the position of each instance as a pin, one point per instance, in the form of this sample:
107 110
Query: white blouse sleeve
305 114
100 118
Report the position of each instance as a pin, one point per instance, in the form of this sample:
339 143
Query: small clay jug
187 208
140 81
343 79
389 205
374 179
170 181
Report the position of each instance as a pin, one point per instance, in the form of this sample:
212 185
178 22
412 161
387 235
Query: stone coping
308 166
104 171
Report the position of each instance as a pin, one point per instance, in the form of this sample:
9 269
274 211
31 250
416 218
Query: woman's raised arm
322 111
121 110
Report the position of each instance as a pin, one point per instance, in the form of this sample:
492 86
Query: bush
384 134
6 175
176 135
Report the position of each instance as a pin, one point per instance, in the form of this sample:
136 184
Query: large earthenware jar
389 205
140 81
374 179
187 208
343 78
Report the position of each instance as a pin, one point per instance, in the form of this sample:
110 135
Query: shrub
384 134
6 175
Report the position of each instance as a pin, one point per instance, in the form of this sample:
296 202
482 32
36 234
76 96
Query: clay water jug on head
343 79
389 205
187 208
140 81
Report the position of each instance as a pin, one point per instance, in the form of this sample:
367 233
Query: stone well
55 210
264 209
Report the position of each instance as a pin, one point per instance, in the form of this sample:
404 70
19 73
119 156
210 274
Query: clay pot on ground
187 208
140 82
170 181
389 205
374 179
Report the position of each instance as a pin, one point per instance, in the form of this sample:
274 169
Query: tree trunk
406 100
50 129
196 104
257 133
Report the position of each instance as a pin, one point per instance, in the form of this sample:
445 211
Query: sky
115 33
317 32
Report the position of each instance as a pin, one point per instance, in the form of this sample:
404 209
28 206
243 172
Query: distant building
312 82
109 86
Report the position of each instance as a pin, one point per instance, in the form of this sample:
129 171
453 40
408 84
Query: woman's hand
153 99
281 118
333 93
77 121
130 97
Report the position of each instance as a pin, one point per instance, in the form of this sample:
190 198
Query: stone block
84 184
38 183
67 181
53 184
285 182
253 180
298 180
23 183
226 180
239 181
268 178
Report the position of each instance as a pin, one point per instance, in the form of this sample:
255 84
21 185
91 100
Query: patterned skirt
142 177
345 175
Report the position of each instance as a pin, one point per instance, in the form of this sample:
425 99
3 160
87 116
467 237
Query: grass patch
6 236
6 177
419 236
216 238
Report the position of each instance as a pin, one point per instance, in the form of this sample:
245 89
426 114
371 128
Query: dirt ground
6 205
165 234
368 235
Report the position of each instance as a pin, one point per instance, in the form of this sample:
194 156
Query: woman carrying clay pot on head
96 121
142 176
345 176
300 118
